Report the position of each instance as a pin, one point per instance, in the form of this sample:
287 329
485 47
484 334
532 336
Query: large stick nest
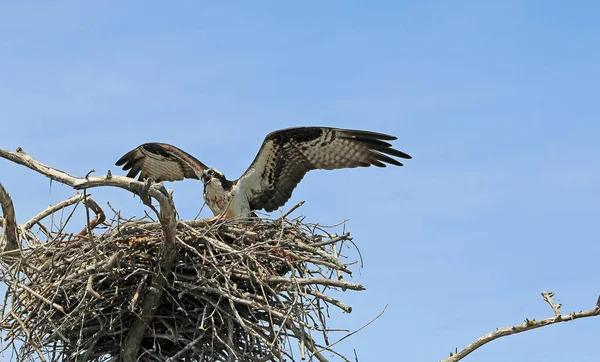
247 290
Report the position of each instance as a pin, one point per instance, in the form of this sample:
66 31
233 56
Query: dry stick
52 209
344 236
528 325
312 280
292 210
330 265
9 224
336 255
269 280
42 298
167 219
329 299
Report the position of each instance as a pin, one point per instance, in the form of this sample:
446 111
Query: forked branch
528 325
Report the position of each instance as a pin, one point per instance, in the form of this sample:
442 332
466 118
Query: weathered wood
10 235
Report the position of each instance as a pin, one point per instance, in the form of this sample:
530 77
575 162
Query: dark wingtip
126 158
368 135
121 161
376 142
385 158
394 152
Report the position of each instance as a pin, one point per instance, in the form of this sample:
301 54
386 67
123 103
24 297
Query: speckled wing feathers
287 155
161 162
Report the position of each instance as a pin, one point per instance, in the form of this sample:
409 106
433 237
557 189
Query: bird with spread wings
283 159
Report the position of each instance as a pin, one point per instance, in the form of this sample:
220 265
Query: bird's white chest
231 203
216 197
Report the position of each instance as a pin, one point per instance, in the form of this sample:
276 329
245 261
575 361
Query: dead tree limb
146 191
9 236
528 325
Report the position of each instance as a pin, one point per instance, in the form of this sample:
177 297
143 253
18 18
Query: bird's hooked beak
205 177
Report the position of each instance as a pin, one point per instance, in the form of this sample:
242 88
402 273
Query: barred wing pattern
161 162
287 155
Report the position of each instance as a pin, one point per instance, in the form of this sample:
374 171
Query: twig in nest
290 211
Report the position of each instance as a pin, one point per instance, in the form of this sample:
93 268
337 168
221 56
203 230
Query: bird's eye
211 172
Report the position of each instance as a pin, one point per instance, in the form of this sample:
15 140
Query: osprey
283 159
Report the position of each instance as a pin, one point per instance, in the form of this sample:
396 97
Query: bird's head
211 174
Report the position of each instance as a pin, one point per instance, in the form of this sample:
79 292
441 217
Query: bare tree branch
528 325
9 224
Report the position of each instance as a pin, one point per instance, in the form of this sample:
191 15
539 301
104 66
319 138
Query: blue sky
496 101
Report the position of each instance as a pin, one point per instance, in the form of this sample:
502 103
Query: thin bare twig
294 208
320 281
